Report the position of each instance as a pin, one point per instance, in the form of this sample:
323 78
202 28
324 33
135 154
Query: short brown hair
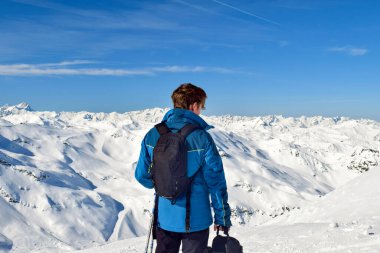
187 94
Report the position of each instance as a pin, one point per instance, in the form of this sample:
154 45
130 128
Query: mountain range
67 178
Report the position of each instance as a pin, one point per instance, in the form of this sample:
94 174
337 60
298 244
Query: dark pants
169 242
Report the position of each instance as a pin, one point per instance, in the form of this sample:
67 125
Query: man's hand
222 228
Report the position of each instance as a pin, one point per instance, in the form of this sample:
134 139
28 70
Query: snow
303 184
354 202
335 223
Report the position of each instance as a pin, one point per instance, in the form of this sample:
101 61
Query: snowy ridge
358 201
67 178
16 109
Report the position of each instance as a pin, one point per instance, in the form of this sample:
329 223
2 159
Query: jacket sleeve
216 183
142 172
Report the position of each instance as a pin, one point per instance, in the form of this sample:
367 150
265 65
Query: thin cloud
304 5
353 51
121 19
182 69
59 7
283 43
194 6
60 68
35 70
246 12
65 63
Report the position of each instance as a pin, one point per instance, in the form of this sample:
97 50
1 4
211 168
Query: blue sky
289 57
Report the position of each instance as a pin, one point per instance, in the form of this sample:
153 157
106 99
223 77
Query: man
204 163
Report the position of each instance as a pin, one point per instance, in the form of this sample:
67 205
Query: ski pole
149 234
151 245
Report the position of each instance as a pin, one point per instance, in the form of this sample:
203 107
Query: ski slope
295 184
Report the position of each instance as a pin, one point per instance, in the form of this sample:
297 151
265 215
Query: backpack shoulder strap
185 131
162 128
188 129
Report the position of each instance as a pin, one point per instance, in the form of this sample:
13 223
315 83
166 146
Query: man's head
190 97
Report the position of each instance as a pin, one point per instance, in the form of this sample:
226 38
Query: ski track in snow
307 184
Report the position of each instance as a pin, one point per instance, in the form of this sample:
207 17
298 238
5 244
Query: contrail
246 12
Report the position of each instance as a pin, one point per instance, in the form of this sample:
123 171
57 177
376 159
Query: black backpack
169 167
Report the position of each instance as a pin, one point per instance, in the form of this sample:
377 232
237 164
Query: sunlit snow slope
67 179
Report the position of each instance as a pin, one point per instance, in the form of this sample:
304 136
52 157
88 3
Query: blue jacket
202 155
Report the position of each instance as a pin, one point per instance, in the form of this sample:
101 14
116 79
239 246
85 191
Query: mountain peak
23 106
15 109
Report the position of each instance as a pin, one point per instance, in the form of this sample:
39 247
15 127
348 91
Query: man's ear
192 106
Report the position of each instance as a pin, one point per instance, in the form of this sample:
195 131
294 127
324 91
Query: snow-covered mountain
67 178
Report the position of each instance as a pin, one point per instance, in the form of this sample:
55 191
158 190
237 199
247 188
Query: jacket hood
177 115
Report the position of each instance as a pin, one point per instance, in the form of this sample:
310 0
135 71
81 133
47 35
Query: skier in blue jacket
205 161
